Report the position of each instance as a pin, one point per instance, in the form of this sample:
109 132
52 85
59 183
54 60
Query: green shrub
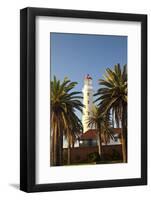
115 155
93 157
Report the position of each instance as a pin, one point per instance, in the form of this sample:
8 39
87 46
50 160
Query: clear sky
75 55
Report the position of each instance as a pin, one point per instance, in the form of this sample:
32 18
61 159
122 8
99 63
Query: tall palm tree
102 125
112 97
64 103
73 129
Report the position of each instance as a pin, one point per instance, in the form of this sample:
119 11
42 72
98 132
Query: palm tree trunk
61 150
124 133
52 149
55 145
52 140
69 150
69 155
99 144
57 151
73 142
60 144
123 147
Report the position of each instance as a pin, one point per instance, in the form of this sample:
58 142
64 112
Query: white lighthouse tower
87 101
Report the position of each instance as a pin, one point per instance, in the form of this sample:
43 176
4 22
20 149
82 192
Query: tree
112 97
64 103
101 123
73 130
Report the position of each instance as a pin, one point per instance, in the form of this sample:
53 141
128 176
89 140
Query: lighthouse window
88 113
88 102
88 93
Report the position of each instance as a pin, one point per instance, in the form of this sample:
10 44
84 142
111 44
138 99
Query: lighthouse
87 101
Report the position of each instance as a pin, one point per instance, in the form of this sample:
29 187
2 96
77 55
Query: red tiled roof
91 134
117 130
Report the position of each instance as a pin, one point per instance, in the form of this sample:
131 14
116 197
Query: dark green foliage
93 157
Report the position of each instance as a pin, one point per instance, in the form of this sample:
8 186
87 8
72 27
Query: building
89 134
87 149
89 138
87 101
87 143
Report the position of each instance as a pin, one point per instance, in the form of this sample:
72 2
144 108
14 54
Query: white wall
9 98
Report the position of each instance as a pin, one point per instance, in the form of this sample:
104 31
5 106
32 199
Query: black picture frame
28 98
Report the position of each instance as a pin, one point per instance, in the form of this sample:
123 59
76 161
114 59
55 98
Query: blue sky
75 55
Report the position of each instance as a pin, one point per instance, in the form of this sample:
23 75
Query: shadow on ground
14 185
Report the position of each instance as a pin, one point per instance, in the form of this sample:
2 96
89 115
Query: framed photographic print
83 99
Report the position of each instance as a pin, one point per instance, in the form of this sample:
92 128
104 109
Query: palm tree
64 103
112 97
73 129
101 123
